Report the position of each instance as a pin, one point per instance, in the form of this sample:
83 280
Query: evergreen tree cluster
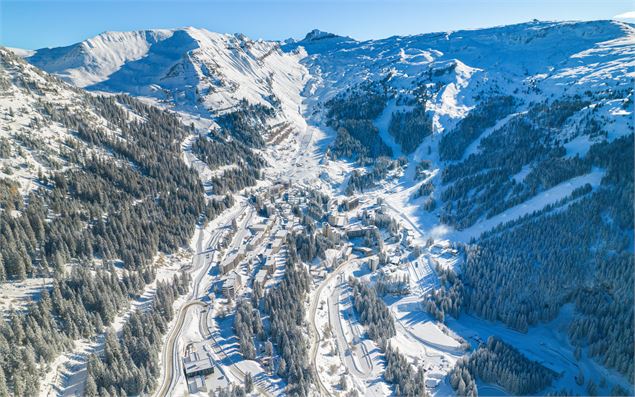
216 206
215 151
525 272
351 114
130 363
373 312
247 324
498 363
425 189
127 207
77 306
408 381
448 299
116 190
483 116
488 182
362 181
285 307
410 128
247 123
306 247
241 132
234 179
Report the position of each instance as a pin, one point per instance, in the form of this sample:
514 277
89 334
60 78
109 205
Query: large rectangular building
232 284
197 363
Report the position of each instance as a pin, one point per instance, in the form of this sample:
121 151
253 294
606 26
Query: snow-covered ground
546 343
536 203
201 74
67 373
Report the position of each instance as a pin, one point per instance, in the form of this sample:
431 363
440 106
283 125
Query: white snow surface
202 74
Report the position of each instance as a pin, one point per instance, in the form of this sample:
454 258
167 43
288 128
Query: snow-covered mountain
200 71
561 58
195 69
512 144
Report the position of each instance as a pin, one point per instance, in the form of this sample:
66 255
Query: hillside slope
194 69
515 143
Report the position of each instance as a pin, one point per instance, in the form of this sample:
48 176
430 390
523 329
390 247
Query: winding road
171 360
361 368
261 386
170 353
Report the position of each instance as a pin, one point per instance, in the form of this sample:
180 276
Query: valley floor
339 345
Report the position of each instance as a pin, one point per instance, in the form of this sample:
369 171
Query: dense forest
407 380
146 185
77 306
115 192
247 325
499 363
410 128
484 116
373 313
233 144
130 363
121 210
448 298
524 274
351 114
285 307
490 181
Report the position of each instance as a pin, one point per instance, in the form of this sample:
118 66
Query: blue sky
50 23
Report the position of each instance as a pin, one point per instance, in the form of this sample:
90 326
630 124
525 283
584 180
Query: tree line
498 363
130 362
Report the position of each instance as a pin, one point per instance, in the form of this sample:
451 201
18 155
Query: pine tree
249 382
282 367
4 390
3 273
90 390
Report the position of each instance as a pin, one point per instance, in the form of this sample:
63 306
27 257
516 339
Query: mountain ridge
495 146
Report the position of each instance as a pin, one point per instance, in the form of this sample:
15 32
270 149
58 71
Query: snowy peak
317 34
92 60
193 69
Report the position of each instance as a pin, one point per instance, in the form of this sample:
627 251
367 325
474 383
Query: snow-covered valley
444 188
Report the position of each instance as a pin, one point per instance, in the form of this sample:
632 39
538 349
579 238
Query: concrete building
363 251
337 220
269 263
196 384
232 260
232 284
261 276
352 203
197 363
276 245
359 230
